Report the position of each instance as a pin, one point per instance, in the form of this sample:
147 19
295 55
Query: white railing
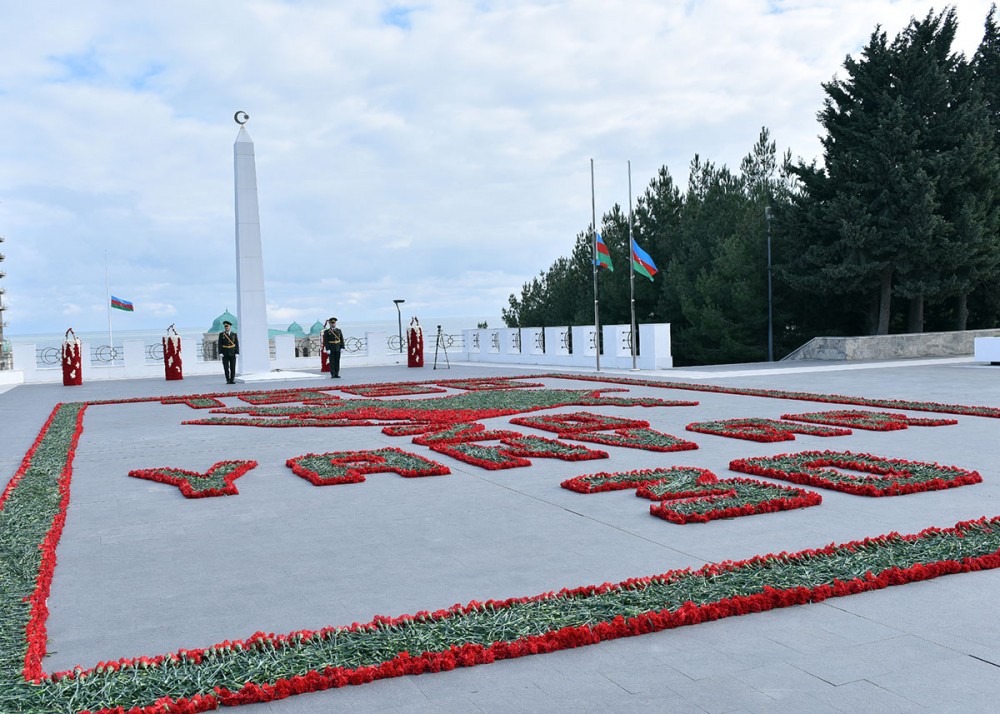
573 346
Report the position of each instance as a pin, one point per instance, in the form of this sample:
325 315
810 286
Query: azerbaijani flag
120 304
603 256
641 261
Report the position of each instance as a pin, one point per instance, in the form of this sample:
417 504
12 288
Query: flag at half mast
120 304
603 257
641 261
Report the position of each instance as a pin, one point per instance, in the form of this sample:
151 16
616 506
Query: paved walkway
143 571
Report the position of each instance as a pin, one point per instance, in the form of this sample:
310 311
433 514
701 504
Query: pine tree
903 202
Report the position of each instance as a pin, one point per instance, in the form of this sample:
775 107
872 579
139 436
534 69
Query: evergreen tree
904 200
721 280
656 227
984 278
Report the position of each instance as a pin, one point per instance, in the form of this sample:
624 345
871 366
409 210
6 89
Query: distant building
210 339
305 344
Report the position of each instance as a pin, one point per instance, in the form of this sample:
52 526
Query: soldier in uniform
229 347
333 342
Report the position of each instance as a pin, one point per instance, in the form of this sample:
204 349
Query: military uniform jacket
333 339
229 344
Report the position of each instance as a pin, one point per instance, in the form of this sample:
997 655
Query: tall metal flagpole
631 270
593 224
107 306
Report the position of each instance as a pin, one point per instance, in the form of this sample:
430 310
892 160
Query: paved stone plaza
144 571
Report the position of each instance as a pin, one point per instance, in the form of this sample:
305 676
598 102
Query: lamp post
770 309
400 316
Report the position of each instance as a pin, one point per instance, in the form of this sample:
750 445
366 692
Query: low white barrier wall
135 362
573 346
987 349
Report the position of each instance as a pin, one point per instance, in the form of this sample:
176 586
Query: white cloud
440 155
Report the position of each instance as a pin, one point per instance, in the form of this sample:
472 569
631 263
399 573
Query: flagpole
593 223
107 305
631 270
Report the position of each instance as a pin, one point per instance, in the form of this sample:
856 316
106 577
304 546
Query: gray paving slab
142 571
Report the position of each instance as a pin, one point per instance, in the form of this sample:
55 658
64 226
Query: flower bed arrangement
194 401
992 412
626 480
282 396
640 438
762 430
514 451
487 383
217 481
454 408
339 467
565 425
687 494
391 390
268 667
627 433
888 477
872 421
458 434
911 405
738 497
278 423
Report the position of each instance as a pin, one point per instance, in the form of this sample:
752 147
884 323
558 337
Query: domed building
309 344
224 317
305 344
210 339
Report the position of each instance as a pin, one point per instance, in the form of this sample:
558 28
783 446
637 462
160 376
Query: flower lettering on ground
337 467
217 481
879 476
687 494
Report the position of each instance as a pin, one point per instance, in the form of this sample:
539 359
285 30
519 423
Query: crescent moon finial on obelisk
251 307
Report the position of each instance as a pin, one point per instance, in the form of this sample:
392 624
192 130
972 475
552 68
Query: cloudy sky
437 152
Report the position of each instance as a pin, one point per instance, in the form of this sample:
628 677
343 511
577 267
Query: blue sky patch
398 16
82 65
151 71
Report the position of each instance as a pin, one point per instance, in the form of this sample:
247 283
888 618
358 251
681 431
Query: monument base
275 375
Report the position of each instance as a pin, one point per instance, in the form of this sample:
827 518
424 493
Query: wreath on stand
173 365
415 340
72 360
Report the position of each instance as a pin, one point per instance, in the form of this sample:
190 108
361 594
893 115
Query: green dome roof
296 329
217 325
317 328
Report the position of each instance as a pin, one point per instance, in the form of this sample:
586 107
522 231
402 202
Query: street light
770 310
400 316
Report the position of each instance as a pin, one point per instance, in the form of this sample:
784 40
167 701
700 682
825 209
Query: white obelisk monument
251 307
